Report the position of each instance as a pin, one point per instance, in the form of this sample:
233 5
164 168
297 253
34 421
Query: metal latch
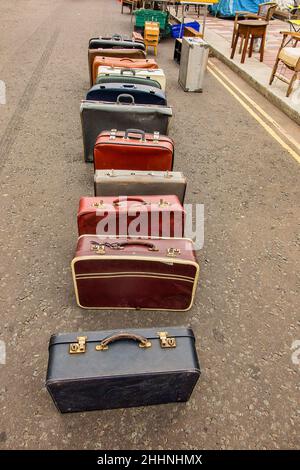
166 341
113 133
173 252
98 248
98 204
79 347
155 137
163 203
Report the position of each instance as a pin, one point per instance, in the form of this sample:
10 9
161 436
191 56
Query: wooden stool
250 29
151 35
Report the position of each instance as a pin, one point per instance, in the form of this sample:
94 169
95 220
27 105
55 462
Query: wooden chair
294 17
290 57
265 13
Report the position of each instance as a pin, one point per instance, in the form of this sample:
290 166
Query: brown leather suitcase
135 273
153 216
119 53
127 62
133 150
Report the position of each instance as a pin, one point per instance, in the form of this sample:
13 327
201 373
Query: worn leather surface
142 94
124 375
133 152
99 116
129 183
122 62
143 214
117 53
143 281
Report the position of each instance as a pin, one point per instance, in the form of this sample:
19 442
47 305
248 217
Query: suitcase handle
117 202
126 59
143 342
117 37
125 95
100 247
135 131
127 70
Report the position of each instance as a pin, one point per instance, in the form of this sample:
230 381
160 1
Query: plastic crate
178 29
142 15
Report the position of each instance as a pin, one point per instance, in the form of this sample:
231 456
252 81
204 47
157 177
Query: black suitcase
125 79
116 41
113 369
142 94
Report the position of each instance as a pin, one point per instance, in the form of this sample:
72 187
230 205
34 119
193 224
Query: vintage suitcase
113 53
117 41
120 369
154 216
142 94
97 116
145 183
141 273
133 150
127 79
149 74
121 62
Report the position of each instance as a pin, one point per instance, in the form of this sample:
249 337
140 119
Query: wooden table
250 29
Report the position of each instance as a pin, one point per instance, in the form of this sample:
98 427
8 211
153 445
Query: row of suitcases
131 251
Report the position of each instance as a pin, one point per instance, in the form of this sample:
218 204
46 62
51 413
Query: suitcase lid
127 79
132 135
127 88
98 336
87 205
150 73
125 107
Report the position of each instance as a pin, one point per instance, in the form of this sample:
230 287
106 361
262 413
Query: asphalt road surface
246 312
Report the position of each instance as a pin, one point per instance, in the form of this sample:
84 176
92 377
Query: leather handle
135 131
127 70
117 202
126 59
143 342
122 245
117 37
125 95
129 85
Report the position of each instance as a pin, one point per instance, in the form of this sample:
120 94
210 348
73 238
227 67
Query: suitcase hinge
173 252
79 347
165 340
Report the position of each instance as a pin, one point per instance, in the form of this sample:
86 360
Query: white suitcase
193 63
155 74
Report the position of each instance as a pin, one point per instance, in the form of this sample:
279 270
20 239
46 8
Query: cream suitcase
152 74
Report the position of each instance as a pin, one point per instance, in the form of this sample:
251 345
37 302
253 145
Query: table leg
245 48
236 38
251 46
262 46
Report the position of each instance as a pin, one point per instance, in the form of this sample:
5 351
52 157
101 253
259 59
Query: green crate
141 16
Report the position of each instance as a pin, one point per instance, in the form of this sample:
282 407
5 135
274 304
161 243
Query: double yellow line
249 104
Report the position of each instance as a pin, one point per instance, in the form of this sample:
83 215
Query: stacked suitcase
131 252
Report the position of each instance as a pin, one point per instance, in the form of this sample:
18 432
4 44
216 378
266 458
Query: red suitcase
133 150
154 216
135 273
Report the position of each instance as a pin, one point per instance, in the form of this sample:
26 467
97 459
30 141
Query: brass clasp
163 203
98 204
172 252
79 347
98 248
166 341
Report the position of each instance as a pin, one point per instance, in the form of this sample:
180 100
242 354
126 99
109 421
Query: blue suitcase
142 94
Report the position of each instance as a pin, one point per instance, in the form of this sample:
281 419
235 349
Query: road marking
275 136
256 106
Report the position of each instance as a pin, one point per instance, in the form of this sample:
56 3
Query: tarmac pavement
246 311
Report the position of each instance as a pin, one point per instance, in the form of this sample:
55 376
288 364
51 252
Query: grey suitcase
144 183
98 116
